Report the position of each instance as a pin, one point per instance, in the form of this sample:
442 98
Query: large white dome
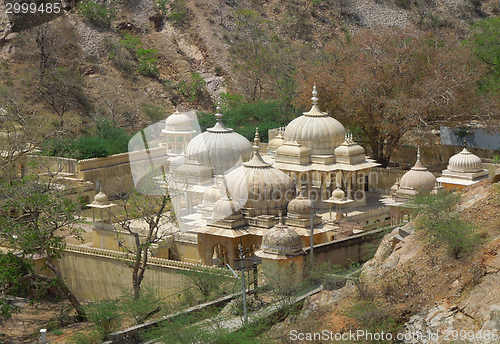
219 148
260 187
316 131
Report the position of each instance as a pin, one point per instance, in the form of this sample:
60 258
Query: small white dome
178 122
465 161
418 178
338 194
176 161
225 207
219 148
101 198
281 240
276 143
212 194
300 205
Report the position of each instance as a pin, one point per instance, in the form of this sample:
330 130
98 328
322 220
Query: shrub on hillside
100 15
442 226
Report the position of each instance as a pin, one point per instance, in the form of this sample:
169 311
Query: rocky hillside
200 49
413 287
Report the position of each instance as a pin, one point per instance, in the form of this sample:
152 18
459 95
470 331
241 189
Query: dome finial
257 137
218 115
315 95
465 142
281 217
418 153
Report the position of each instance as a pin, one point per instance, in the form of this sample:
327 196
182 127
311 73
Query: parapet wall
355 248
113 174
43 164
97 274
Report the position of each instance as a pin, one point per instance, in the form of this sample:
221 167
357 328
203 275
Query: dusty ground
24 327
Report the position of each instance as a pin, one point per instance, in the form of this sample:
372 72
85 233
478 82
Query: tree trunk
66 291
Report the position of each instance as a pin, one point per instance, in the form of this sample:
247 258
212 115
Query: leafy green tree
105 319
13 269
21 130
441 225
245 117
145 217
36 218
211 284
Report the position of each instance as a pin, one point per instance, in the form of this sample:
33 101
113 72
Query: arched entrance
219 255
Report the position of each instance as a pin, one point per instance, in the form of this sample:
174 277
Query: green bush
104 316
131 43
245 117
148 60
100 15
373 318
194 90
108 140
130 49
13 268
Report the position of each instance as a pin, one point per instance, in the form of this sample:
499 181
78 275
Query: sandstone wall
355 248
95 274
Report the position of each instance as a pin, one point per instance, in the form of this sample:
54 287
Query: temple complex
233 194
311 180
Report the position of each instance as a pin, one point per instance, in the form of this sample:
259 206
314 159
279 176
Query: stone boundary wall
355 248
113 174
118 159
371 215
97 274
52 163
151 260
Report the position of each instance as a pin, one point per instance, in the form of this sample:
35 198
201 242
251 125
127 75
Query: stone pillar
189 197
309 183
349 185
